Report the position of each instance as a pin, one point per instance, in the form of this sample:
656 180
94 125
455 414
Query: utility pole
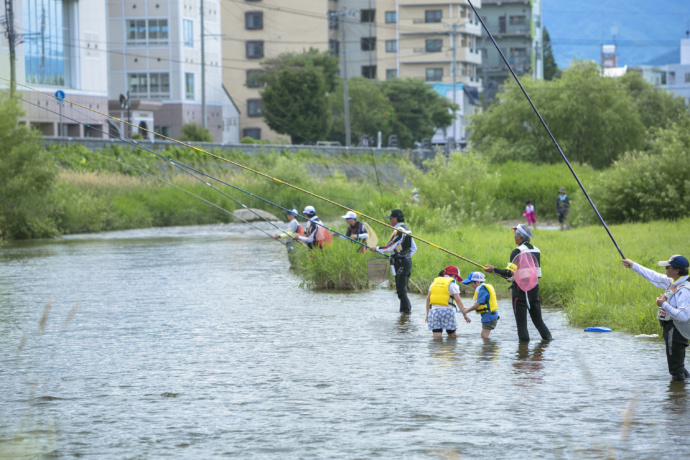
203 70
454 70
346 95
12 41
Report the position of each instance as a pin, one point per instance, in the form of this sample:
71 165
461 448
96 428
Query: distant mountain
672 57
645 30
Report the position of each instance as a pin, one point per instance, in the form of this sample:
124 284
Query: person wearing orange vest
441 301
314 233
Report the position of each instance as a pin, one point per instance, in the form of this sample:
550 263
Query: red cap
453 270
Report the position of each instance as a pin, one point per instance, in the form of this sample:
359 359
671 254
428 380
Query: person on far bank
355 230
563 208
529 214
402 247
293 227
673 309
524 302
441 300
314 233
485 302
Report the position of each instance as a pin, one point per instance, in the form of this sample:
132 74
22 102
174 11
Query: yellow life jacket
439 292
493 304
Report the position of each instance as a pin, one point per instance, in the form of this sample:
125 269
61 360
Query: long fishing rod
259 173
601 219
163 180
186 169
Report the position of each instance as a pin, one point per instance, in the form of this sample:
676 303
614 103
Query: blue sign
59 95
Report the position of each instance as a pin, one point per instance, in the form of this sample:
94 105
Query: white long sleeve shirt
677 305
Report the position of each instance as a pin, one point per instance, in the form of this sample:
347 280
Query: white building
62 50
678 75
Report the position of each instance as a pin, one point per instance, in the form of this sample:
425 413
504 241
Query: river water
197 342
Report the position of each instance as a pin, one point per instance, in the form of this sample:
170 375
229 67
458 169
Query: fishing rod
601 219
163 180
259 173
186 168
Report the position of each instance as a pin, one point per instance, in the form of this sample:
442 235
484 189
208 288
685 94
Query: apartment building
156 59
255 30
517 28
60 51
678 75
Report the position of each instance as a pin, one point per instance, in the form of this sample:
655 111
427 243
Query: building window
367 15
434 46
254 20
334 47
369 71
151 31
254 133
333 19
391 73
253 107
518 20
164 130
47 35
255 49
158 31
391 46
687 78
368 43
432 16
391 17
189 86
254 78
434 74
188 32
149 85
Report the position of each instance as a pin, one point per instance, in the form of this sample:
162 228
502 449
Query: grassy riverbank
582 271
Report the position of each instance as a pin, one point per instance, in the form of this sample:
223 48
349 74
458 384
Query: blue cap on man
676 261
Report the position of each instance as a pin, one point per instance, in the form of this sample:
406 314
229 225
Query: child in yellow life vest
444 294
484 302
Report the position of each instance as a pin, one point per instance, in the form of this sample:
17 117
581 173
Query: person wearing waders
402 247
673 309
524 301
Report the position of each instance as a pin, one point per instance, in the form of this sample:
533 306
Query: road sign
59 95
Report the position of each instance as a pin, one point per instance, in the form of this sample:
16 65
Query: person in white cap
293 227
673 309
485 302
355 229
524 301
314 233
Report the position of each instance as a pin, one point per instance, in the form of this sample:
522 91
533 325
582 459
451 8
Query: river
197 342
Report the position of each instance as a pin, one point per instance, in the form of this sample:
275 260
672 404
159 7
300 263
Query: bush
192 132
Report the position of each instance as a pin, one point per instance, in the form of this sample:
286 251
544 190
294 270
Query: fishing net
378 269
526 274
373 238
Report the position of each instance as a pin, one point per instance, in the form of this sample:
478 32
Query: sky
645 29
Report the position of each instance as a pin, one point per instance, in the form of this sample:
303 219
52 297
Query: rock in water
250 216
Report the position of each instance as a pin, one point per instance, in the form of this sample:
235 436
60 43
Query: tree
550 67
657 108
191 132
419 109
27 174
370 110
295 103
295 97
594 119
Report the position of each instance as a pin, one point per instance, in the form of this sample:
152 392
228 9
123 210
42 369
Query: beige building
66 60
253 31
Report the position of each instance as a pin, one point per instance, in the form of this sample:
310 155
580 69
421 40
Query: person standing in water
314 233
484 302
293 227
524 301
673 309
402 247
355 230
441 301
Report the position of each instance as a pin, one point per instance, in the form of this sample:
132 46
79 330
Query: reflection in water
530 362
489 350
677 398
444 351
404 324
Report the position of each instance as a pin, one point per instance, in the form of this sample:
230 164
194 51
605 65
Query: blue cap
676 261
474 276
292 211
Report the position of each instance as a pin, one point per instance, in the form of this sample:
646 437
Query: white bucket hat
349 215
